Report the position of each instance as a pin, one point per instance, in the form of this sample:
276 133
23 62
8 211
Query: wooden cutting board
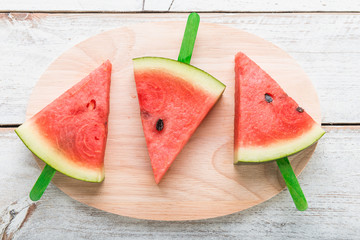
202 182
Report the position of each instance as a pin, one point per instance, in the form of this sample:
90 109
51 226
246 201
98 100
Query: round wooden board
202 182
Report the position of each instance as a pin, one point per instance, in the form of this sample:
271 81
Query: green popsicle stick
188 41
286 170
42 183
292 183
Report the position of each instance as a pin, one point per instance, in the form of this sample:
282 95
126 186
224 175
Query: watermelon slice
70 133
174 98
268 123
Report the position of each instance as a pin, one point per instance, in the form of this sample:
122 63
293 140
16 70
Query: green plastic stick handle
42 183
286 170
188 41
292 183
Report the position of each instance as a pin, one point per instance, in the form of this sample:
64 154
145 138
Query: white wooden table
323 36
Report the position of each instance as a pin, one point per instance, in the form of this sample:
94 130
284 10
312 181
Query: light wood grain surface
203 181
322 36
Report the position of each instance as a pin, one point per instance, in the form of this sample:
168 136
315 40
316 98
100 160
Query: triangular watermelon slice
268 123
70 133
174 98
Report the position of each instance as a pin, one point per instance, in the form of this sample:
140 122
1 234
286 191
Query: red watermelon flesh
70 133
174 98
268 123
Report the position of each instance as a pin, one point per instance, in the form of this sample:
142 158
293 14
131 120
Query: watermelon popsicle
269 125
174 97
70 133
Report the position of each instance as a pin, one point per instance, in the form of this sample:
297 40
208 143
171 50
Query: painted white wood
158 5
13 216
330 183
180 5
325 45
264 6
72 5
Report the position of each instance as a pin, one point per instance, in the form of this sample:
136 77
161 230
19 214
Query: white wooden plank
71 5
251 6
330 182
180 5
325 45
158 5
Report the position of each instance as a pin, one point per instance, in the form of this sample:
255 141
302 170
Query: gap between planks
329 126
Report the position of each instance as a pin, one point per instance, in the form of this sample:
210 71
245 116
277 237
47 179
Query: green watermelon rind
187 72
41 148
282 149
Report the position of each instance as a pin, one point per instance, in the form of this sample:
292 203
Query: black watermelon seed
268 98
300 109
159 125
